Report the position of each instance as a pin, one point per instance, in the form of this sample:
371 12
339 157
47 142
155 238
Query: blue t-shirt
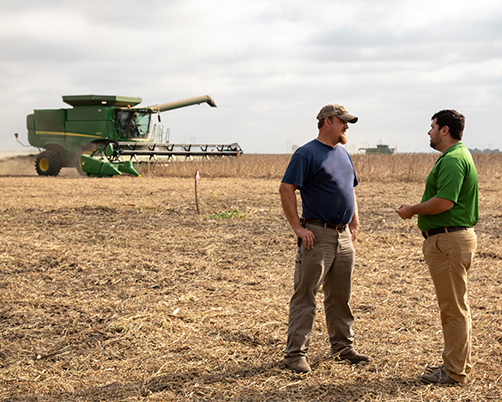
326 178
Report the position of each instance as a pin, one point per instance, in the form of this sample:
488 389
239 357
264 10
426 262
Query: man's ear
444 130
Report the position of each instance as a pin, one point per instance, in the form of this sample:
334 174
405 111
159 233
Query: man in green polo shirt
446 214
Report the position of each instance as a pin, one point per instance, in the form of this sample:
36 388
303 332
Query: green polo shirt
454 178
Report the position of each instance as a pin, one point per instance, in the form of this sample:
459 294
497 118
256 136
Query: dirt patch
116 289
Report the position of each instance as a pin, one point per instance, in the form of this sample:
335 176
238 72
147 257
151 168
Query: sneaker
299 365
351 355
438 376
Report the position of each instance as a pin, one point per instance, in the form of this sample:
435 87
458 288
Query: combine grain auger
68 137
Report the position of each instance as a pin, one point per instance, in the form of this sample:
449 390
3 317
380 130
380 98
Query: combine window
133 124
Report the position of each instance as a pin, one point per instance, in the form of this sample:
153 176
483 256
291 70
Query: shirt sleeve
296 171
451 175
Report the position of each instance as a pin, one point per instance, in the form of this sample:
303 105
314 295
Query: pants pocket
442 244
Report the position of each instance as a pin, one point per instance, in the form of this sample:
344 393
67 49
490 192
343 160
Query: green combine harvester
380 149
100 132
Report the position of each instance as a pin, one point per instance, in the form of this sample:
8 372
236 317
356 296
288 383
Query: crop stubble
116 289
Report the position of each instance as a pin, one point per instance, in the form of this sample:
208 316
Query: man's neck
326 140
448 145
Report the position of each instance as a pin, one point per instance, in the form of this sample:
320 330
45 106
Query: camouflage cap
338 111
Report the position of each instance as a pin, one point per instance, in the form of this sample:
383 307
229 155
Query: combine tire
48 163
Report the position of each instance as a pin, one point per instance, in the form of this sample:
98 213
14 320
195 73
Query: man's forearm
355 216
434 206
290 206
354 223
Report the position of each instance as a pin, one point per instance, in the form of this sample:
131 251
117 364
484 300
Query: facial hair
434 144
343 139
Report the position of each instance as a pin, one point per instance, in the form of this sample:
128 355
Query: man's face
338 129
435 134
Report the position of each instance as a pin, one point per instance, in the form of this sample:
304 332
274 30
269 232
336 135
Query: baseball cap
338 111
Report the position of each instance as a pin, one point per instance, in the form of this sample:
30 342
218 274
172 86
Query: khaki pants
449 257
330 264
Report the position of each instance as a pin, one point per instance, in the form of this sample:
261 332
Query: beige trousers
330 264
449 257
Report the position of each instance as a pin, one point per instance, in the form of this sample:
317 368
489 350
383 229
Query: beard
434 144
343 139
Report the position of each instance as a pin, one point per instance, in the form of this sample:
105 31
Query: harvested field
118 290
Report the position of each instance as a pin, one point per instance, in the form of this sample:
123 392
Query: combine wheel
86 149
48 163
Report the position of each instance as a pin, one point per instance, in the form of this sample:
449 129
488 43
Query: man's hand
289 206
307 237
405 211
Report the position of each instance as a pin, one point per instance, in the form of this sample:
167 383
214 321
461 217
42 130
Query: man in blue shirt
323 172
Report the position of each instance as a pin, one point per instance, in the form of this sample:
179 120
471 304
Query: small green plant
227 215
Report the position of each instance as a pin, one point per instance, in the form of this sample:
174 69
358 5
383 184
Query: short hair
320 123
453 119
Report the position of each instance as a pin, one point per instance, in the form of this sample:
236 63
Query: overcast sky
269 65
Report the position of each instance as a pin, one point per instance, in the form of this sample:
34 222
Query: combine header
103 130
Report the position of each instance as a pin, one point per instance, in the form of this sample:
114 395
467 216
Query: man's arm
289 206
434 206
354 223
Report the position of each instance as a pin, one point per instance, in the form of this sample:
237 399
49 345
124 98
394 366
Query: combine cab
113 124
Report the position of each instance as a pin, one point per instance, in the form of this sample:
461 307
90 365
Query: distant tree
484 151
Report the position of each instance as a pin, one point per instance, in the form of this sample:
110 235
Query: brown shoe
431 369
351 355
438 376
299 365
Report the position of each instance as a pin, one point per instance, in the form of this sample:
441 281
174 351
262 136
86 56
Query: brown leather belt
339 228
432 232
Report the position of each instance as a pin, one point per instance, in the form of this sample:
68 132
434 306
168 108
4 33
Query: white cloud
270 66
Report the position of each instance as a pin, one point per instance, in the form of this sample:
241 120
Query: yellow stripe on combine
98 135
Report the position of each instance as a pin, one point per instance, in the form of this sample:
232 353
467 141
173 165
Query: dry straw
374 168
115 289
